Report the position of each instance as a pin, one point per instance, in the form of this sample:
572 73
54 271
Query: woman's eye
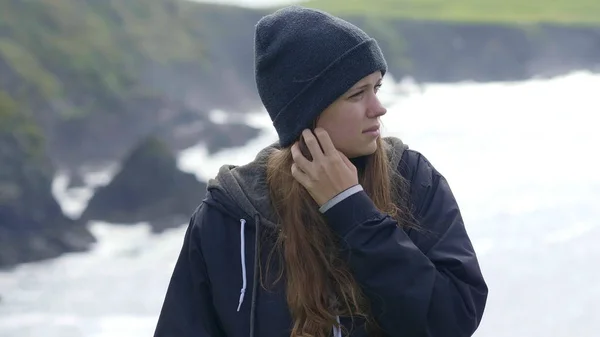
360 93
357 95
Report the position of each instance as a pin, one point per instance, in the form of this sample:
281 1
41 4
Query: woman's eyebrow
361 87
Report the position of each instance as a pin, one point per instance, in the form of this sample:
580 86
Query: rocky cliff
99 75
105 73
32 225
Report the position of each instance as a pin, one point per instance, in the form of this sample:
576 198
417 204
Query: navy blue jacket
419 284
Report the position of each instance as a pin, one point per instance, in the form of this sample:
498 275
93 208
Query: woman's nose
376 109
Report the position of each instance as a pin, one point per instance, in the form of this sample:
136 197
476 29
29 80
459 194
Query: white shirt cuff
343 195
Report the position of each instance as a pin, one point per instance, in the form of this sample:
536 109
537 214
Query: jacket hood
246 185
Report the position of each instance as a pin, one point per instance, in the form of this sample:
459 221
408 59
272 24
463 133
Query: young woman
333 230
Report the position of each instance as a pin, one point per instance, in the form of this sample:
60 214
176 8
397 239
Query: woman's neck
360 163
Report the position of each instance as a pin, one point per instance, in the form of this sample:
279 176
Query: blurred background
114 113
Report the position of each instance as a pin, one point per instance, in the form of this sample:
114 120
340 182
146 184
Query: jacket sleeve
187 308
434 289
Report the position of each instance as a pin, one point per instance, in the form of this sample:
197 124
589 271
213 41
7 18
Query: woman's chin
365 150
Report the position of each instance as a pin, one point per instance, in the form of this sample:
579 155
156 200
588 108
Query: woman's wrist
341 196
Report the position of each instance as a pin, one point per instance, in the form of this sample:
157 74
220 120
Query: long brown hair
319 284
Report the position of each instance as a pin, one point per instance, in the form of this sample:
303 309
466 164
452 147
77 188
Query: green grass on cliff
572 12
90 48
17 133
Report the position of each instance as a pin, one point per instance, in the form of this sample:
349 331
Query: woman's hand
329 173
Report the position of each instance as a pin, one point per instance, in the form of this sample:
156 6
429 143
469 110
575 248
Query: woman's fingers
313 144
346 160
300 176
303 163
325 141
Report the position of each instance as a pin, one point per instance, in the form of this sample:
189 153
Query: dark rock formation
149 187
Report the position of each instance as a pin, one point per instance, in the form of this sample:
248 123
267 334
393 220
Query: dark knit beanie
305 59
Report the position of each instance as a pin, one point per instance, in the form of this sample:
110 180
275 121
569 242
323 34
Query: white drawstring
337 332
243 260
